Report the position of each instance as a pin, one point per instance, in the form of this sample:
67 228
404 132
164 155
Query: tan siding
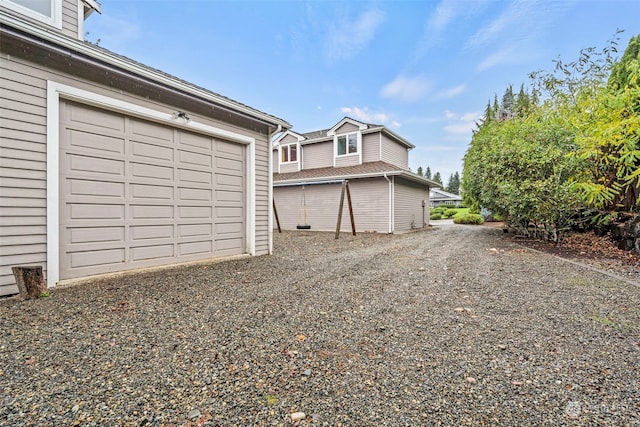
274 160
287 139
288 167
370 147
319 155
394 153
351 160
370 200
23 141
408 205
347 128
70 18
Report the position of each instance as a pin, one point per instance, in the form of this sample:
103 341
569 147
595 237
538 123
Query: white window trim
56 10
287 146
56 91
359 146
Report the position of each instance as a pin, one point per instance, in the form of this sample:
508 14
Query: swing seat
303 227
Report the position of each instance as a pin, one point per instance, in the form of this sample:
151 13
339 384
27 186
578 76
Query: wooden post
30 281
344 184
275 212
353 223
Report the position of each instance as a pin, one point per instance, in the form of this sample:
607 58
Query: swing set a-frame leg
345 188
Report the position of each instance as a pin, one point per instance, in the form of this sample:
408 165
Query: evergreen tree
420 172
427 173
453 185
508 104
437 178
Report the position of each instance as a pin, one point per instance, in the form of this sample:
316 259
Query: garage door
134 193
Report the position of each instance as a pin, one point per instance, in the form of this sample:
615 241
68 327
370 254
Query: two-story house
309 170
109 165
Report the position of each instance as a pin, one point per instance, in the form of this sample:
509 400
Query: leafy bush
438 210
469 219
449 213
436 216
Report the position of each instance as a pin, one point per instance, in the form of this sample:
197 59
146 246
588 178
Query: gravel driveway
449 326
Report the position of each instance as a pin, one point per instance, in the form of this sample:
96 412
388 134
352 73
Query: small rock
573 409
458 309
307 372
194 414
75 408
502 346
298 416
471 380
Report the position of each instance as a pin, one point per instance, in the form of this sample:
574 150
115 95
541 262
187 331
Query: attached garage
108 165
134 193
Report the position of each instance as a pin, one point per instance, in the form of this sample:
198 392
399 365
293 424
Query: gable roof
439 194
365 170
19 29
366 128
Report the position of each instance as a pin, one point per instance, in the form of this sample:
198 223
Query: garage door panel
145 170
96 143
191 248
141 253
149 195
195 194
195 230
88 258
152 151
195 140
190 175
147 191
83 187
151 131
95 211
95 118
149 232
79 235
76 163
151 212
196 159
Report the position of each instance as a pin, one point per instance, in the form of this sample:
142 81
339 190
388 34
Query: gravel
454 325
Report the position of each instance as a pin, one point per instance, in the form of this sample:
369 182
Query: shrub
438 210
469 219
449 213
436 216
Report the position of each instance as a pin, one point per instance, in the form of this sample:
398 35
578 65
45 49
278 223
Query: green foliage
439 209
475 219
436 216
44 294
449 213
420 172
453 185
437 178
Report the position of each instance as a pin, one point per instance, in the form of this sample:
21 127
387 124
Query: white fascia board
56 91
138 69
94 5
391 134
299 137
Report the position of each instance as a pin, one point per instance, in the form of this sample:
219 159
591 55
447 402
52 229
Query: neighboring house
440 197
311 167
109 165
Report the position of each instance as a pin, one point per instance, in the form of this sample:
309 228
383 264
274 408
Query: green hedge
435 216
449 213
469 219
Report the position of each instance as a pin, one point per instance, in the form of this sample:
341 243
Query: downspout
390 203
270 191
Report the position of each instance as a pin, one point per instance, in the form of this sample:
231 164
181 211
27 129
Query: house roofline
26 31
404 174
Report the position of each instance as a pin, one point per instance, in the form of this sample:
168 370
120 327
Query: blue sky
425 69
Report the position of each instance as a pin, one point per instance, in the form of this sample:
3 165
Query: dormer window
347 144
47 11
289 153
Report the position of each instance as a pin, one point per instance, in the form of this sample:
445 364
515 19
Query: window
289 153
348 144
48 11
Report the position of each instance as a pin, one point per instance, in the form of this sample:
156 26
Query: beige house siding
348 160
394 153
347 128
323 201
318 155
288 139
23 161
371 147
408 210
289 167
70 18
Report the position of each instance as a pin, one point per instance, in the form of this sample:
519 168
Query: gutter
270 190
109 61
390 203
300 183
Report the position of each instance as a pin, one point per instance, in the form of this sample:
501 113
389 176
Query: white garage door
135 193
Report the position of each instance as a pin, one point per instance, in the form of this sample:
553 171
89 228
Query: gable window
347 144
289 153
48 11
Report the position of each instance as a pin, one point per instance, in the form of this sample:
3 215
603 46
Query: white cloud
503 56
450 93
407 89
365 115
349 36
460 126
